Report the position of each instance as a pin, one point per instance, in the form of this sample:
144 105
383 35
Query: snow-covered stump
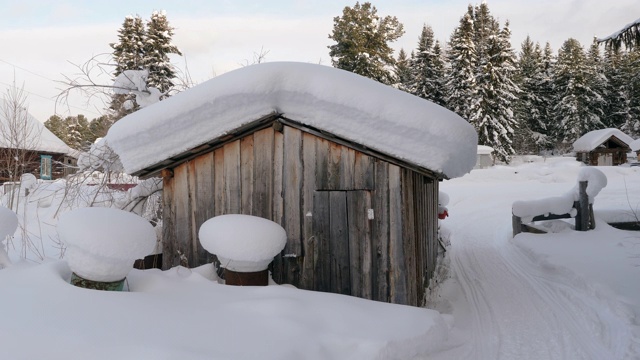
244 245
102 245
8 227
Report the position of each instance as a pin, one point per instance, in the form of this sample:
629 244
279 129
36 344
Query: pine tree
403 71
57 126
631 71
461 79
362 42
493 114
143 47
157 48
532 135
428 69
617 104
573 96
128 54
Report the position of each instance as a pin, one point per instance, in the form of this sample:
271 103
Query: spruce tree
573 110
143 46
158 46
57 126
493 114
531 111
128 54
362 42
617 104
428 69
461 79
403 71
631 71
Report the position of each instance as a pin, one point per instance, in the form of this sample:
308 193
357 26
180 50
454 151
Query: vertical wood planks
202 193
358 203
339 243
380 233
232 177
277 207
246 175
309 241
182 224
363 173
397 265
409 235
168 225
218 182
321 225
263 173
292 187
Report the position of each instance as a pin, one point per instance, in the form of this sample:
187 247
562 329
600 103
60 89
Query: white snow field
565 295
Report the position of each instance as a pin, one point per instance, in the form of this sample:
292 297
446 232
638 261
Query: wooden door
605 160
342 222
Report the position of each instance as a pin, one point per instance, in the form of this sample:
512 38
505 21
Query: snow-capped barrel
244 244
102 245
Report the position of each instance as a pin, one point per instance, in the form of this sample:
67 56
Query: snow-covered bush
243 243
103 243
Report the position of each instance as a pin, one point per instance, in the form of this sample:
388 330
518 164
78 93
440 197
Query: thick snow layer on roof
39 138
593 139
339 102
484 150
635 145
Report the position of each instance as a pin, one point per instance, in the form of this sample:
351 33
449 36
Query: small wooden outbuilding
355 189
604 147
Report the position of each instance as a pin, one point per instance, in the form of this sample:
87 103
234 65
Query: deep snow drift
565 295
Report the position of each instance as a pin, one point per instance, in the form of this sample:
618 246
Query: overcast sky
41 40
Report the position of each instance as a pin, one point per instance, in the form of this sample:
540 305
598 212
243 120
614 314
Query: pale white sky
42 39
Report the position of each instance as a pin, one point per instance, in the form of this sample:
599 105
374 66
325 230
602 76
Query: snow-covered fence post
244 245
583 215
102 245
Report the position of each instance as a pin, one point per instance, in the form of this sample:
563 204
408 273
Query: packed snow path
506 306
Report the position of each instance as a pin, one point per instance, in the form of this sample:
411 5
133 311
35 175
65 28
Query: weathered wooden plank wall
355 224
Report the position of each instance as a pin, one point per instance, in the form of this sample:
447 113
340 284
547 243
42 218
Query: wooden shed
359 210
604 147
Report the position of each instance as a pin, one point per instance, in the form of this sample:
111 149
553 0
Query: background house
27 146
484 157
348 166
604 147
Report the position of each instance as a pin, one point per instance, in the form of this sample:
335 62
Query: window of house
45 167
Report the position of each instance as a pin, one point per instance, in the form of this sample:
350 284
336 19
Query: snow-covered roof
484 150
635 145
39 137
593 139
344 104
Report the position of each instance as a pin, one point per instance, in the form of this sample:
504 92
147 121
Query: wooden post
516 222
582 218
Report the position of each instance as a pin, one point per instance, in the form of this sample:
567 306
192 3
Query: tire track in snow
520 310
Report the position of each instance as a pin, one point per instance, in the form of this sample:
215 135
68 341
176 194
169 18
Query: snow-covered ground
565 295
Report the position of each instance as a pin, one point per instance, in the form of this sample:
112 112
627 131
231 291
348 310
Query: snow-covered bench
576 203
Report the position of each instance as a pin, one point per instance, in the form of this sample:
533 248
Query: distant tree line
527 103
